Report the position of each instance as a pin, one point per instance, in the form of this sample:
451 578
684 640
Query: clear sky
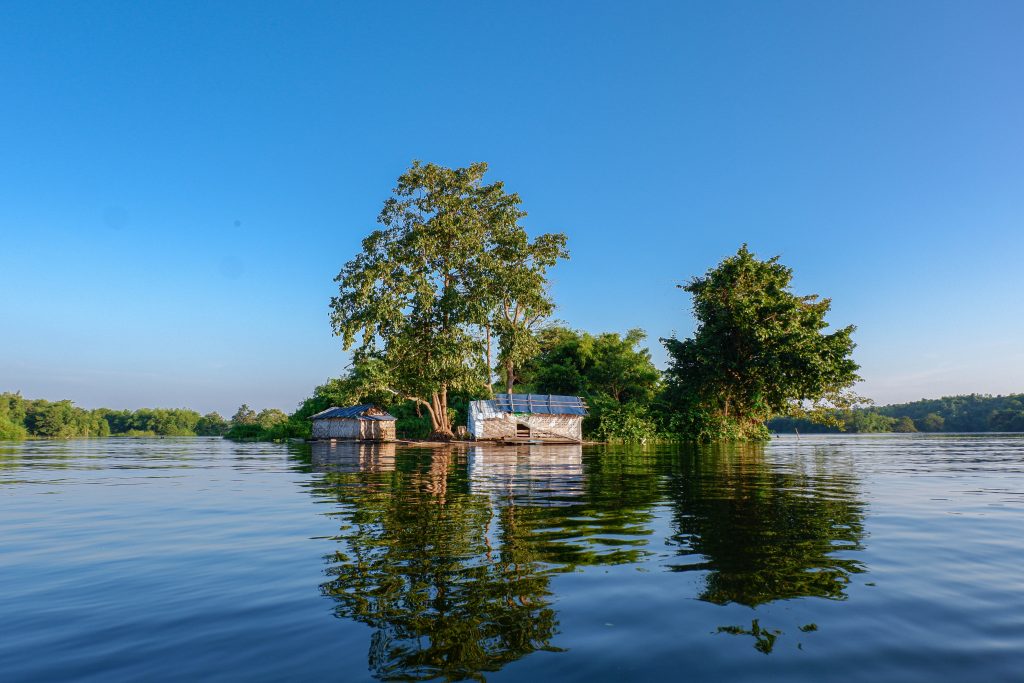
181 181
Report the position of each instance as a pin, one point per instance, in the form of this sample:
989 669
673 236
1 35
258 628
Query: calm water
896 558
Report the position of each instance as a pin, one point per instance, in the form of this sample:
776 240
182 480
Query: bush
9 431
630 422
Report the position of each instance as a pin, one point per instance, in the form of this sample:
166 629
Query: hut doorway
522 431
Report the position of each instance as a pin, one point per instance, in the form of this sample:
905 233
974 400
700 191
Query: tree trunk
440 422
490 364
510 376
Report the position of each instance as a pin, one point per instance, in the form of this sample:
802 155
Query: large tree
421 299
758 351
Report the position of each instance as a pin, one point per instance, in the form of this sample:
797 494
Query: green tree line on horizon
963 413
22 418
564 366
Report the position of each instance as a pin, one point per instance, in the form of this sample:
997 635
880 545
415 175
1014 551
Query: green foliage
419 296
211 424
21 418
515 278
270 417
243 416
1007 420
162 421
11 431
759 350
867 422
12 417
904 425
613 372
629 422
575 363
247 431
932 422
970 413
270 424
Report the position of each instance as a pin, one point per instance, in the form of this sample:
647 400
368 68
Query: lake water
854 558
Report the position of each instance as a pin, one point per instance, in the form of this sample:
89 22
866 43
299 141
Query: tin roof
353 412
539 404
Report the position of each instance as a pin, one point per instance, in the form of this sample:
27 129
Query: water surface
828 558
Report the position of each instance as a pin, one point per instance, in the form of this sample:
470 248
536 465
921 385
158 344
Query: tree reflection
448 585
449 554
765 534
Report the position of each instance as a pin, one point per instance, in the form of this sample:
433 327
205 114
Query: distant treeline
22 418
970 413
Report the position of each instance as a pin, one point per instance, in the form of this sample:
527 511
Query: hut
360 423
528 417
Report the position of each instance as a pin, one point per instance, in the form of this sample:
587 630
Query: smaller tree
211 424
610 365
758 351
932 422
270 417
904 425
243 416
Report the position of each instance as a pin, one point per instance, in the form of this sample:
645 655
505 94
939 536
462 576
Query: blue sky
181 181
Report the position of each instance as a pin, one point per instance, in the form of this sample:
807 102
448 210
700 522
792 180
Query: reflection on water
448 554
862 557
332 456
763 534
442 576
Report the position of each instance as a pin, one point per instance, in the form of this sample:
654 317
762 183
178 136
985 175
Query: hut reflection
350 456
528 474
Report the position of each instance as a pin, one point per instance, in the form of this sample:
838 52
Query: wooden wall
349 428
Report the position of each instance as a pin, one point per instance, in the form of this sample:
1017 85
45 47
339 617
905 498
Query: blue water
854 558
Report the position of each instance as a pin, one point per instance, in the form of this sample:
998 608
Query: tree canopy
758 350
426 290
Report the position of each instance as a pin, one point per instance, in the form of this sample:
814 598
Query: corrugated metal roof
540 404
354 412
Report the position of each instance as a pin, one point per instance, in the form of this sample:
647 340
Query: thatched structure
358 423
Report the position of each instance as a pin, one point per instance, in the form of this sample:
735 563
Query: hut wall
350 428
377 430
497 427
553 426
336 428
503 425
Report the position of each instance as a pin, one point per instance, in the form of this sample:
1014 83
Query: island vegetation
450 272
22 418
448 302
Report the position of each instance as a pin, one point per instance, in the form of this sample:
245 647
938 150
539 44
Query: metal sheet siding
487 423
540 404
